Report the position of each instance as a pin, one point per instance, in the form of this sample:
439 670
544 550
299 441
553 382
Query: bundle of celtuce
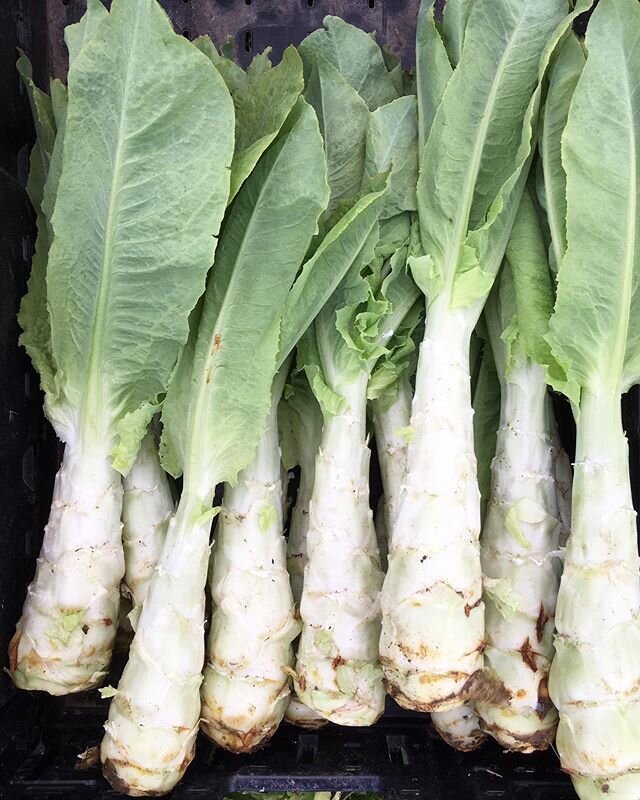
278 262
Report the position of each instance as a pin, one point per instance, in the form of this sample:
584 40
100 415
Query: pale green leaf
355 55
232 74
392 144
533 283
595 328
563 77
322 273
433 70
78 34
147 149
299 423
263 98
344 119
218 400
477 154
454 22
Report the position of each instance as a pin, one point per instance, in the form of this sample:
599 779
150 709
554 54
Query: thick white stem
391 418
338 673
64 639
246 685
146 509
519 538
432 611
302 716
154 716
298 529
459 727
595 676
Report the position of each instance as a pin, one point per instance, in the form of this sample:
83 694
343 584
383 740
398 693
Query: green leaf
33 316
433 70
532 280
563 77
595 328
263 99
477 154
392 144
344 119
77 35
321 274
454 23
299 423
147 148
218 399
44 121
355 55
232 74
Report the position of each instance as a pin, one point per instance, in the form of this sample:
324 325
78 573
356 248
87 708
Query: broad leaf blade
533 283
355 55
392 144
77 35
344 119
563 77
595 328
433 70
322 273
217 402
263 99
148 143
454 23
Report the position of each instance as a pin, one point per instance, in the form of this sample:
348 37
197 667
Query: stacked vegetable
279 261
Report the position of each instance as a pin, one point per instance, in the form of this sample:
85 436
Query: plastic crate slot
398 751
307 748
248 41
186 33
310 3
372 3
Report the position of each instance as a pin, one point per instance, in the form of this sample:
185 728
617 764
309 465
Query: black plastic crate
41 737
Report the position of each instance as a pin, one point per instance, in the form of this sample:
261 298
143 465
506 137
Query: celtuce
432 641
155 713
108 305
594 675
146 508
247 684
250 590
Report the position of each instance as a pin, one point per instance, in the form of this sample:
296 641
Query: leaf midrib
462 221
92 405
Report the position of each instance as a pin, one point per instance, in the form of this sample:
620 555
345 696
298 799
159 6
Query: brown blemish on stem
528 656
542 620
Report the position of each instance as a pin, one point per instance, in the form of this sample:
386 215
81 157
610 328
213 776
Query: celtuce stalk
337 670
594 676
159 726
418 605
246 684
146 508
391 417
460 727
64 638
519 544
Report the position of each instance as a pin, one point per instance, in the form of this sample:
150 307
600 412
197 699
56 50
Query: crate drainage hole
186 33
310 3
248 41
372 3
